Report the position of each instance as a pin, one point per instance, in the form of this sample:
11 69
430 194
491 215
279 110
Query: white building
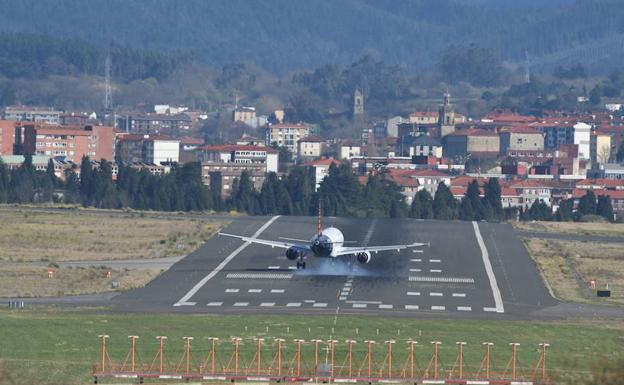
159 151
582 133
321 170
349 150
257 155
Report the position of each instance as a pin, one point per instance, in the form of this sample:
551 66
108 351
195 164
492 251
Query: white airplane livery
326 243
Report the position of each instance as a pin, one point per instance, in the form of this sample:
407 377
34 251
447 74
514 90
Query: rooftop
236 147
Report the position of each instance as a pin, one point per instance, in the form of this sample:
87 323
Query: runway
470 270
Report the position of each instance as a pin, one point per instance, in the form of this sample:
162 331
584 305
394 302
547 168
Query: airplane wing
282 245
376 249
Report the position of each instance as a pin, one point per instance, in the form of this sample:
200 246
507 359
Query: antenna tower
108 91
527 67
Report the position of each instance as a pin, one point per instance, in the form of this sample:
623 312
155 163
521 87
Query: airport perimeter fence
324 361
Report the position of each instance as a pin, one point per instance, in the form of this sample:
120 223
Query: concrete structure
169 110
392 125
309 148
287 135
521 138
582 133
321 170
159 123
71 143
221 165
358 103
426 117
243 114
556 134
350 149
599 148
423 145
7 137
151 149
247 140
471 141
32 114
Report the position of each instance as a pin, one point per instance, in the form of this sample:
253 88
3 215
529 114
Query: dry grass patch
24 281
569 266
576 228
79 236
29 237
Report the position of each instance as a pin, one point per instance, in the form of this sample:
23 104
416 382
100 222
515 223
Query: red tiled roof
323 162
236 147
429 114
290 125
191 140
613 183
430 173
613 194
473 132
312 139
465 180
521 129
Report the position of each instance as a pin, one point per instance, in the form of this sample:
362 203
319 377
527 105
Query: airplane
326 243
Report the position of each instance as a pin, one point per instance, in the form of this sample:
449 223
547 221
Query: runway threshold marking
184 301
413 278
498 300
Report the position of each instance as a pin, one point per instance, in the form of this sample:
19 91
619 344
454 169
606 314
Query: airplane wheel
303 265
298 265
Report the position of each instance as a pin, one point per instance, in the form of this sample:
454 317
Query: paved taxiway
470 270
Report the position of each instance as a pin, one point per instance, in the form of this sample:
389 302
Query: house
310 148
71 143
521 138
423 145
7 137
616 197
558 133
286 135
426 117
33 114
223 164
406 180
599 148
152 123
471 141
350 149
321 170
150 149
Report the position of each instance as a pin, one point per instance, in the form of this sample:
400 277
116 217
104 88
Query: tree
444 203
620 152
604 207
492 198
595 95
587 204
540 211
565 211
466 212
4 182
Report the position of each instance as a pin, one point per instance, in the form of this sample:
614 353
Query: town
563 165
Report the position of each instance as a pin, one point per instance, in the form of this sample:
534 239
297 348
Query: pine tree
604 207
4 182
444 203
416 207
565 211
426 204
492 196
587 204
466 213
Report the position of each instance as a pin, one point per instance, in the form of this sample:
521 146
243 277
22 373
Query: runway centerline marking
434 307
232 290
459 294
415 260
184 301
277 291
498 300
435 260
413 293
214 304
411 307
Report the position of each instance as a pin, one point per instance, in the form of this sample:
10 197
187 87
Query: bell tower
446 116
358 103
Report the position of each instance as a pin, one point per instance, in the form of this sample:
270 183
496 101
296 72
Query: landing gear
301 265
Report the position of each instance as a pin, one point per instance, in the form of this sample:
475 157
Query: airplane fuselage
328 243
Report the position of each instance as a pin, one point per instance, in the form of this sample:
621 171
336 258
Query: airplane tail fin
319 222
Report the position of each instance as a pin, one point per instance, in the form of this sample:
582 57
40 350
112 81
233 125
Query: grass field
569 266
576 228
33 241
53 346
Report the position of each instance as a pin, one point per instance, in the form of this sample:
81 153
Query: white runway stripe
413 293
184 301
415 270
436 294
385 306
464 308
267 304
440 279
498 299
417 251
241 303
459 295
293 304
214 304
258 276
435 270
360 305
273 267
437 307
435 261
320 304
232 290
254 291
415 260
277 291
411 307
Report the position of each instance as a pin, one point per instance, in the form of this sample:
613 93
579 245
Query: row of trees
341 193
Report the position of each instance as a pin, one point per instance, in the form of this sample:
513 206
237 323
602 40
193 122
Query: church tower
358 104
446 117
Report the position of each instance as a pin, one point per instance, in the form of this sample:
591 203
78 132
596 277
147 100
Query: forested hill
35 56
282 35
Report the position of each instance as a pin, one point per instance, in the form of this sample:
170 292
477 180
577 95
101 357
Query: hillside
285 35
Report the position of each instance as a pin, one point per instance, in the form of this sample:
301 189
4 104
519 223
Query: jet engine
292 254
363 257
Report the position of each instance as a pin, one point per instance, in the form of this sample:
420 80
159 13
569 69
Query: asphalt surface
449 278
